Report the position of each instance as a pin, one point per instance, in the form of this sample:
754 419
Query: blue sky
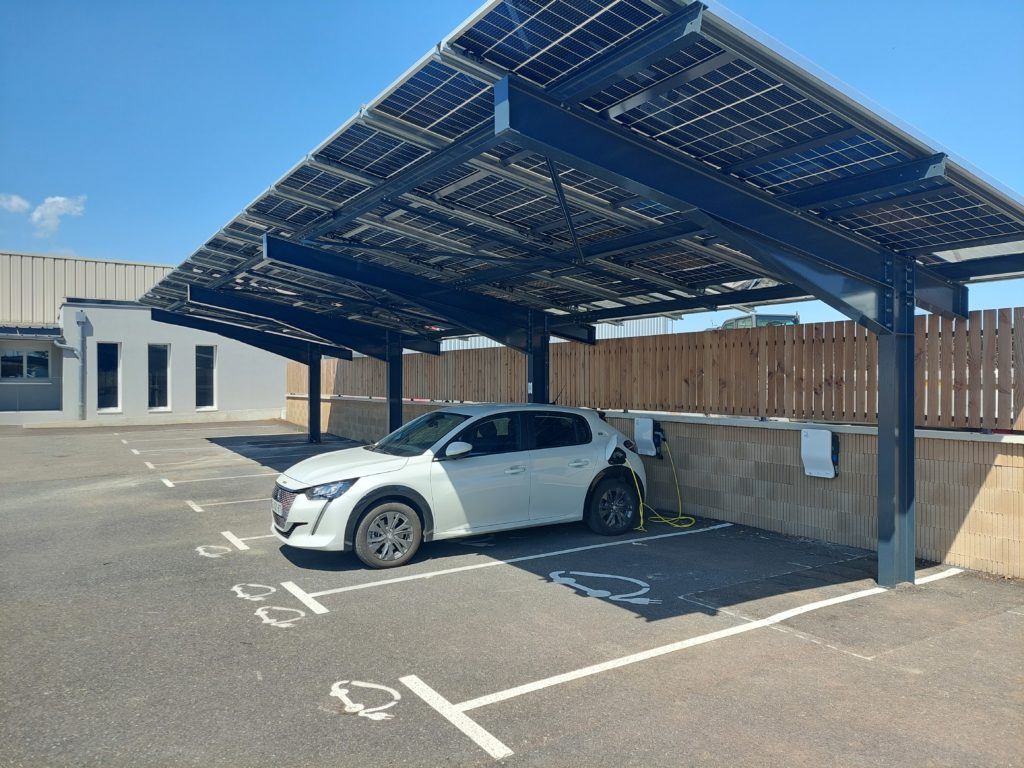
135 130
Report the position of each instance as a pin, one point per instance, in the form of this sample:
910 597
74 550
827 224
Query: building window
206 366
159 374
108 376
29 364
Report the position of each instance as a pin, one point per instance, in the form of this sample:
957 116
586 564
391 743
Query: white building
76 349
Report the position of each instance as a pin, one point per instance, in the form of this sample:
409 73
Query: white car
462 471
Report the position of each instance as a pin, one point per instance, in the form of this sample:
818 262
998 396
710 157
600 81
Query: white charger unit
819 452
643 436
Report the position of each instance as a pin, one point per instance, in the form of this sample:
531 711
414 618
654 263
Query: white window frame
216 356
159 408
119 408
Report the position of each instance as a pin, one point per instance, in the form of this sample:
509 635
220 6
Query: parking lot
150 619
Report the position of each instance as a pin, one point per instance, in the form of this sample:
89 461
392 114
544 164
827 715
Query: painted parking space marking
134 451
253 592
171 484
340 690
149 465
207 437
483 739
239 541
568 578
277 616
309 599
206 505
213 550
936 576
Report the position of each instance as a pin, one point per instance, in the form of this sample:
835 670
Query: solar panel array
493 225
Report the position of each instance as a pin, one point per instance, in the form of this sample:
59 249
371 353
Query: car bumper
313 523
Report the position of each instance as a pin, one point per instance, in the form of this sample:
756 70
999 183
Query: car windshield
419 434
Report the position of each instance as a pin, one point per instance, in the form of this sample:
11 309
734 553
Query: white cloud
46 216
14 203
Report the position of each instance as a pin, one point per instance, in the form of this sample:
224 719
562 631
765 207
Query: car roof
485 409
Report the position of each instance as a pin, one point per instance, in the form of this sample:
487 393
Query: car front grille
285 498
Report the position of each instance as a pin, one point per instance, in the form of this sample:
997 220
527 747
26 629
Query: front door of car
565 460
487 487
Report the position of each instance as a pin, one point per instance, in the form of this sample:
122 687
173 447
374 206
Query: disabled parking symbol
338 690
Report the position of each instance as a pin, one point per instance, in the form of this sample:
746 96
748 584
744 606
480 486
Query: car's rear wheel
614 507
388 535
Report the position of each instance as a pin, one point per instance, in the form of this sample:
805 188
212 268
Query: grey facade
163 373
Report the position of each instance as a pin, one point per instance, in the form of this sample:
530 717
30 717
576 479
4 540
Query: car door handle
579 462
518 469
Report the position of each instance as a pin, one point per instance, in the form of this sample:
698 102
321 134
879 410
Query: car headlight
329 491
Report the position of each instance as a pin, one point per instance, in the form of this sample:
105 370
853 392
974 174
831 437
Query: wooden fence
970 373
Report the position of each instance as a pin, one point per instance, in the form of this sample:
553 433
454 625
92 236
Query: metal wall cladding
32 287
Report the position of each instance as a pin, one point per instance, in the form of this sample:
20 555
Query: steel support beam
394 384
293 349
707 301
792 149
498 320
896 507
670 84
668 36
538 362
313 393
556 182
892 177
532 120
991 266
367 339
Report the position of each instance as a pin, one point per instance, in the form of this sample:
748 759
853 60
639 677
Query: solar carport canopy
694 167
553 164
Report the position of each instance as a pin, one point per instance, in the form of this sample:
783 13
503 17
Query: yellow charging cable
680 520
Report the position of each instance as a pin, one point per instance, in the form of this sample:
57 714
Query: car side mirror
457 449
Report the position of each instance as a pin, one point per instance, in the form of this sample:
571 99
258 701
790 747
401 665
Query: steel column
538 362
896 511
313 393
394 383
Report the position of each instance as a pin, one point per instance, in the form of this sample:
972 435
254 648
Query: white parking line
208 437
134 451
936 576
166 482
149 465
239 541
310 601
195 507
169 484
471 728
236 501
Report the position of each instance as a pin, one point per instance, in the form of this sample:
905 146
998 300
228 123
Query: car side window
559 430
495 434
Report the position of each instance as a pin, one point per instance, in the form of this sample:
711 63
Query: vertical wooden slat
933 380
871 369
920 368
974 369
788 363
828 373
1018 368
988 369
946 373
769 364
799 371
959 340
849 371
817 364
1004 370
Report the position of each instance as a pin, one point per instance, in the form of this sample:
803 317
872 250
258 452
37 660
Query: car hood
348 464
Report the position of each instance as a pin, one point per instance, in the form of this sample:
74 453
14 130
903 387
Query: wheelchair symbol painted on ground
253 592
568 578
213 550
279 617
340 691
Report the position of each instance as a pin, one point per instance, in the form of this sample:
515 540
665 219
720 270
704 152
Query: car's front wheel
614 507
388 535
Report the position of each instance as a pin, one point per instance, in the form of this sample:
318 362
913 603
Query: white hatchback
462 471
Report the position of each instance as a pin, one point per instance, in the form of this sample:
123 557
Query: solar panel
489 221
